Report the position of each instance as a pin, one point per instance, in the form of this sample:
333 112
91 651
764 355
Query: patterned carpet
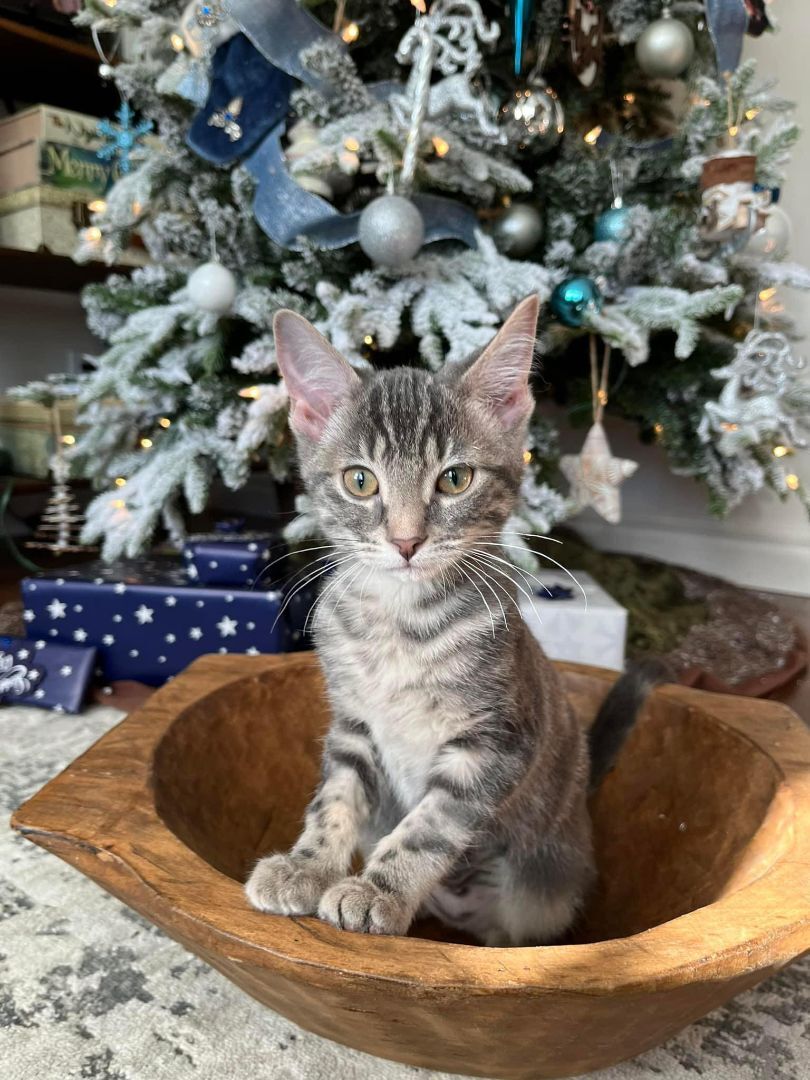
88 990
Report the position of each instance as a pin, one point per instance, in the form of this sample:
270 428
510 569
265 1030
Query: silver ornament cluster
533 119
665 48
764 397
518 231
391 230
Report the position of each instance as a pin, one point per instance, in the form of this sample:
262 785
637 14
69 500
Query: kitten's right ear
317 377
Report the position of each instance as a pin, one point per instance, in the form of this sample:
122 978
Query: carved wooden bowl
702 838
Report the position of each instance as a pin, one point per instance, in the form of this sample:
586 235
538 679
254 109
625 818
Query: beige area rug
89 990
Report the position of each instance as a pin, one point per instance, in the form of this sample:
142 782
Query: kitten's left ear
499 378
317 377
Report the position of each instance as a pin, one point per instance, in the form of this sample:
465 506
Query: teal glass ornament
612 224
573 298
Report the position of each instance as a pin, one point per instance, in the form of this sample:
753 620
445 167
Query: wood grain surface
702 842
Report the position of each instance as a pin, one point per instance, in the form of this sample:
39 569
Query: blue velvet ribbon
289 214
280 30
728 22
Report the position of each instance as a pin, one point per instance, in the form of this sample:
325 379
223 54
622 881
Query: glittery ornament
228 119
533 119
574 298
518 230
391 230
212 287
122 140
595 475
764 397
612 224
665 48
772 240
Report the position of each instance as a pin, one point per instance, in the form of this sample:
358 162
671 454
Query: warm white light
368 339
68 440
527 456
119 481
165 422
93 234
177 42
350 32
146 444
119 504
97 206
441 146
352 145
792 481
780 451
593 135
250 392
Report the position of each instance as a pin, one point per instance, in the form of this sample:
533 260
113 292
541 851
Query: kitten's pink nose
407 548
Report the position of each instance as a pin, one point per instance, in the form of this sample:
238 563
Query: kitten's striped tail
619 711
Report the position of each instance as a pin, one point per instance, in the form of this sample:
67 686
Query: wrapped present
230 558
583 625
147 621
49 674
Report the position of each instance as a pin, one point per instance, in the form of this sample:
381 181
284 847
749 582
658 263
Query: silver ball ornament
106 71
518 231
665 48
533 119
772 241
212 288
391 230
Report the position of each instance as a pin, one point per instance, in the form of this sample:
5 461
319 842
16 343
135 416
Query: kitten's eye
360 482
455 480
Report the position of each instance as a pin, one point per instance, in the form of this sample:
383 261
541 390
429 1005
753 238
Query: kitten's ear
500 376
317 377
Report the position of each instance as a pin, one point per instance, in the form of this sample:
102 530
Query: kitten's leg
467 781
292 884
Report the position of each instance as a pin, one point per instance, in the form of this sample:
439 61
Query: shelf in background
40 67
42 270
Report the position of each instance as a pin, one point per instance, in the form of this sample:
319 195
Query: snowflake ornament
122 140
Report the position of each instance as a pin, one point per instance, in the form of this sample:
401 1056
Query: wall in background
40 332
765 543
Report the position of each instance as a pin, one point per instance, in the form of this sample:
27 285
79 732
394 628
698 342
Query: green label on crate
64 166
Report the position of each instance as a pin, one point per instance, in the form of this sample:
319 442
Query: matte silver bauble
665 48
533 119
518 231
212 287
391 230
106 71
773 239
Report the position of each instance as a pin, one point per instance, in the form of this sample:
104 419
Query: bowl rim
737 933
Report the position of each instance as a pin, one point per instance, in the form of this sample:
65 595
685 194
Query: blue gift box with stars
148 622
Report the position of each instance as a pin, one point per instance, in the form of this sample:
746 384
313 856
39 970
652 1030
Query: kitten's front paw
286 885
358 904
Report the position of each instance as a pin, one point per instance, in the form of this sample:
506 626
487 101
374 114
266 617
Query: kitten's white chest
389 687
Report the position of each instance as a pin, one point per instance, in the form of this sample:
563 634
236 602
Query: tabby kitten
453 761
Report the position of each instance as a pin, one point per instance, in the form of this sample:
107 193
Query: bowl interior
676 823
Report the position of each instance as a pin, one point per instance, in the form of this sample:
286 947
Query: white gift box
588 629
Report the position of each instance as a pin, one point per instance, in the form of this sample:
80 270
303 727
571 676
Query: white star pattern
80 635
59 708
78 608
170 638
253 547
266 553
39 693
134 652
28 615
119 588
33 675
56 609
117 618
195 632
53 632
251 625
229 598
108 639
200 603
161 659
32 587
243 567
227 626
213 564
60 581
65 670
222 649
144 614
170 601
191 570
23 654
39 644
252 651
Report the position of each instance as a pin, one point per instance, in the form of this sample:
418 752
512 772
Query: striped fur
454 762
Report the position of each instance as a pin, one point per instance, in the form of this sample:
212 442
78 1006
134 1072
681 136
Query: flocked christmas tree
403 177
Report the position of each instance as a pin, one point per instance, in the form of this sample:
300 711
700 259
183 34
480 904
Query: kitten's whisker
486 579
291 577
352 579
543 555
486 556
483 598
512 566
289 555
312 577
480 563
536 536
